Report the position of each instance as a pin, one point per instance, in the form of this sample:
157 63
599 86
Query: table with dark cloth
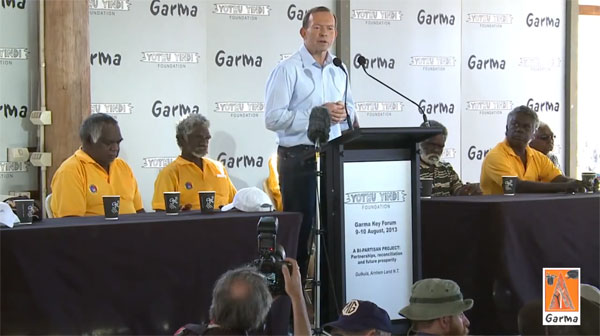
495 247
143 274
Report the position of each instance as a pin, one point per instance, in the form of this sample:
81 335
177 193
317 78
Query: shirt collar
309 60
83 156
511 151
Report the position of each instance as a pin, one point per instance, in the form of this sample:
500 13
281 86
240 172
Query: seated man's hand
293 283
575 186
186 207
469 189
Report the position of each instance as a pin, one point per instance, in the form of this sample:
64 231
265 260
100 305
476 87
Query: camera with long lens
271 255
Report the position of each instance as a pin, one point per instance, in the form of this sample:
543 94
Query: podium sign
378 232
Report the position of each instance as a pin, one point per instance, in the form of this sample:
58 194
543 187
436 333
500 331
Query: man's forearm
301 322
540 187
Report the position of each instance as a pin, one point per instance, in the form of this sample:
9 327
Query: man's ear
302 32
445 322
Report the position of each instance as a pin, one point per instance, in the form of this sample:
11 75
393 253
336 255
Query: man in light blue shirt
305 80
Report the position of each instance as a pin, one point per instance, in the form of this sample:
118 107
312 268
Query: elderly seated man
514 157
543 141
445 180
192 172
95 171
437 308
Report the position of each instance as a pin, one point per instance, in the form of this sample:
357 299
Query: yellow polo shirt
187 178
273 184
502 161
80 182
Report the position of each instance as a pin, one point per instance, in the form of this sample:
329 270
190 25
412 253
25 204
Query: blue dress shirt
294 87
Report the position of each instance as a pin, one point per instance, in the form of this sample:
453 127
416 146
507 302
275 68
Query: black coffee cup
111 206
172 202
24 209
207 201
426 187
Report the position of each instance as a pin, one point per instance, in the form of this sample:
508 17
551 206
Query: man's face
432 149
459 325
106 149
543 140
320 33
196 142
519 130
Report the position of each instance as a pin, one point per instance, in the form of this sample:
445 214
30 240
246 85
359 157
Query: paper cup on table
24 209
207 201
588 181
426 187
111 206
509 185
172 202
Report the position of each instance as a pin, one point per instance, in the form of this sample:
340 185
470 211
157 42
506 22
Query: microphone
362 60
338 63
318 125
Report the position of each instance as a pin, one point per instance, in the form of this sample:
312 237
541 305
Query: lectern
370 211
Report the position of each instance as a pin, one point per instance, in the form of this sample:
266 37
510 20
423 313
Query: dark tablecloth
501 243
143 274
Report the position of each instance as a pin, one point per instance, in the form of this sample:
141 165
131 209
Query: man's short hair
91 128
241 300
316 10
187 125
434 123
526 110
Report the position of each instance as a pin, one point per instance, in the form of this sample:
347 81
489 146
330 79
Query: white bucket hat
250 199
7 216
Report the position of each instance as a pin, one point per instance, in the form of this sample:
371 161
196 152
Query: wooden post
67 76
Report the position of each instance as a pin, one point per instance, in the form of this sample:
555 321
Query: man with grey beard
445 180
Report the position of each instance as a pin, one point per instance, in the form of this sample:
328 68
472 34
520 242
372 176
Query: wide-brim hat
434 298
250 199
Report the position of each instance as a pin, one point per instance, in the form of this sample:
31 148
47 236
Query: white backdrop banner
513 54
18 91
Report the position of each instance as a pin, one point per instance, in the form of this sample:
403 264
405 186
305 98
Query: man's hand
293 284
293 288
469 189
186 207
337 112
575 186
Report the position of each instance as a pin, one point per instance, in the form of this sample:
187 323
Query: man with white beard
445 180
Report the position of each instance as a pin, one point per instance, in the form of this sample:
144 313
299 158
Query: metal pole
317 260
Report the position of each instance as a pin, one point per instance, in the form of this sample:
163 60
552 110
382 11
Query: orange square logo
561 296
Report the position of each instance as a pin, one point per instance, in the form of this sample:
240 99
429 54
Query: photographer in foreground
241 302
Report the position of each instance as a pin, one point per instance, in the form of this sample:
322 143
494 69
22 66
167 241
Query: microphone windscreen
318 124
337 62
362 60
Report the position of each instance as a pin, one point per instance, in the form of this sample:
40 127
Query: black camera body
271 255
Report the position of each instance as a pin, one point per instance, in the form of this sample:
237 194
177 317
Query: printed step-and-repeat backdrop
467 63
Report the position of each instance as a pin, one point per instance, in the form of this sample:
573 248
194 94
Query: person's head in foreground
361 318
100 138
437 307
240 301
530 319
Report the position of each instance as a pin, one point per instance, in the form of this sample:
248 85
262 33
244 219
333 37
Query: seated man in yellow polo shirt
94 171
513 157
191 172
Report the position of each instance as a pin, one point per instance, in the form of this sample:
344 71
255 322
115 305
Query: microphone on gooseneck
338 63
318 125
362 60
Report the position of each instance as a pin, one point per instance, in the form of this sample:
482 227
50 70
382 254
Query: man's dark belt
294 151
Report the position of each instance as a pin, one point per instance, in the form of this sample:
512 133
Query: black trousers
297 179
